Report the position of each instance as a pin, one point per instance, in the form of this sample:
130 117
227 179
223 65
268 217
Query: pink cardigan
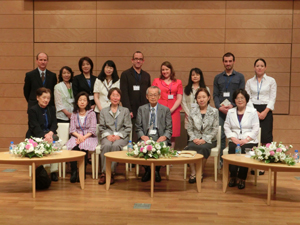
88 127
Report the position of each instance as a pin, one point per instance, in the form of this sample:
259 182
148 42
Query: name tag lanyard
170 89
79 122
258 88
44 81
108 88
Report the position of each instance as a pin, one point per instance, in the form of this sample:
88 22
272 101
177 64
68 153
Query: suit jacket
249 124
36 121
107 122
210 124
79 84
33 81
134 99
164 121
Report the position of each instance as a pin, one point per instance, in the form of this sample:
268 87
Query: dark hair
40 91
169 65
260 59
228 54
188 87
114 76
37 56
137 52
241 91
76 107
89 61
112 90
203 90
60 79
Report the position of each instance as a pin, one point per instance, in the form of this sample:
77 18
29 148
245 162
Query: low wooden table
63 156
242 160
121 156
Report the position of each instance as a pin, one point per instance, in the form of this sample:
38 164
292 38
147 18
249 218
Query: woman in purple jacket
82 130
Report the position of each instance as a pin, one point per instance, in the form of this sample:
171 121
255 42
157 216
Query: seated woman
202 128
42 122
115 128
241 127
82 130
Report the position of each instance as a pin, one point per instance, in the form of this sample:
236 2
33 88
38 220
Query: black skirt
266 125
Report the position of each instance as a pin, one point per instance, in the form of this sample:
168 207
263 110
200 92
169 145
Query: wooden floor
175 201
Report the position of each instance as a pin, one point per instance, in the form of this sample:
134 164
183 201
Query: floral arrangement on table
33 147
151 149
273 153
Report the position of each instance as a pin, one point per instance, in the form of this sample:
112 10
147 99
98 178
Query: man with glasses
133 84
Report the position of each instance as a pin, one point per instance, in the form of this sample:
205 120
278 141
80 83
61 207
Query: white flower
136 152
282 157
38 139
145 149
153 149
157 146
158 152
135 147
260 158
150 155
148 142
258 152
273 146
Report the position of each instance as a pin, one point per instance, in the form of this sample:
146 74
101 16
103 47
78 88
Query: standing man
39 77
225 84
133 84
154 121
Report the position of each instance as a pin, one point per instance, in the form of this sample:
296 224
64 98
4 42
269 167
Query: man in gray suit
153 121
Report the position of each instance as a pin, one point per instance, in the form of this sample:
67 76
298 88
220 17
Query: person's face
195 77
260 68
202 99
115 98
44 99
240 101
66 75
108 70
228 63
42 61
165 71
82 102
86 67
153 96
138 60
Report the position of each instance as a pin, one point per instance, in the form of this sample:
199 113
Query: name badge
151 132
91 97
226 94
116 133
193 105
70 100
170 96
136 87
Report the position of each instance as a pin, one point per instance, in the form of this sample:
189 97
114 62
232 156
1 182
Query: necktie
152 119
43 77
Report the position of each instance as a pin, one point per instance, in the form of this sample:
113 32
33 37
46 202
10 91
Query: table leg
225 175
33 179
108 173
199 174
81 171
269 186
275 181
152 178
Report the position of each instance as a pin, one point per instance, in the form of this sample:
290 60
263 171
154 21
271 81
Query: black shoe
147 176
54 176
157 176
192 179
241 184
73 178
261 173
232 182
252 172
132 165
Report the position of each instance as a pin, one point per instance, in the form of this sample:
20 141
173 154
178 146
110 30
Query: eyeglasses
138 59
154 95
241 98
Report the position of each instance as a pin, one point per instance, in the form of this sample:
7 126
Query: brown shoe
112 179
102 179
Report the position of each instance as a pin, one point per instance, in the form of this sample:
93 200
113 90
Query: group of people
132 105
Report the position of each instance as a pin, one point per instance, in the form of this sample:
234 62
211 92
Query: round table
120 156
56 157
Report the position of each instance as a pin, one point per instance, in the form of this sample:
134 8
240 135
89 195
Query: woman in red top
171 95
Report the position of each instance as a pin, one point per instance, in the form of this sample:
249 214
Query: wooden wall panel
16 49
14 117
11 104
16 21
16 35
295 79
16 7
9 63
12 76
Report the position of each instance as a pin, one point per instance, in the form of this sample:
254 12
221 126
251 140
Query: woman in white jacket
241 127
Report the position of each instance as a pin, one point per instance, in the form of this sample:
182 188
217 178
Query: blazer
36 121
121 124
134 99
33 81
79 84
164 121
63 100
249 124
210 124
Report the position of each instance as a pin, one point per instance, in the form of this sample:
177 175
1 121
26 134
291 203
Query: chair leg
64 169
184 171
93 164
216 167
126 173
97 166
137 170
30 171
59 169
168 171
130 167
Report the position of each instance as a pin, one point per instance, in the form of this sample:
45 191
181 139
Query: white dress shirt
263 93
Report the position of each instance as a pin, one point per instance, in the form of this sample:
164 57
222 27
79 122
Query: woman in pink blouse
171 95
82 130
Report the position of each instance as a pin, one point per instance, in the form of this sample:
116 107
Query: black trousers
74 163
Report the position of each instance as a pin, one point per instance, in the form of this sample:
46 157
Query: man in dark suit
40 77
153 121
133 84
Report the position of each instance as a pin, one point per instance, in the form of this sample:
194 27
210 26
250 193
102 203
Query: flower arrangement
274 153
151 149
33 147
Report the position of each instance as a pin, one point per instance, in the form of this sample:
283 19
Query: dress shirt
267 89
42 72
